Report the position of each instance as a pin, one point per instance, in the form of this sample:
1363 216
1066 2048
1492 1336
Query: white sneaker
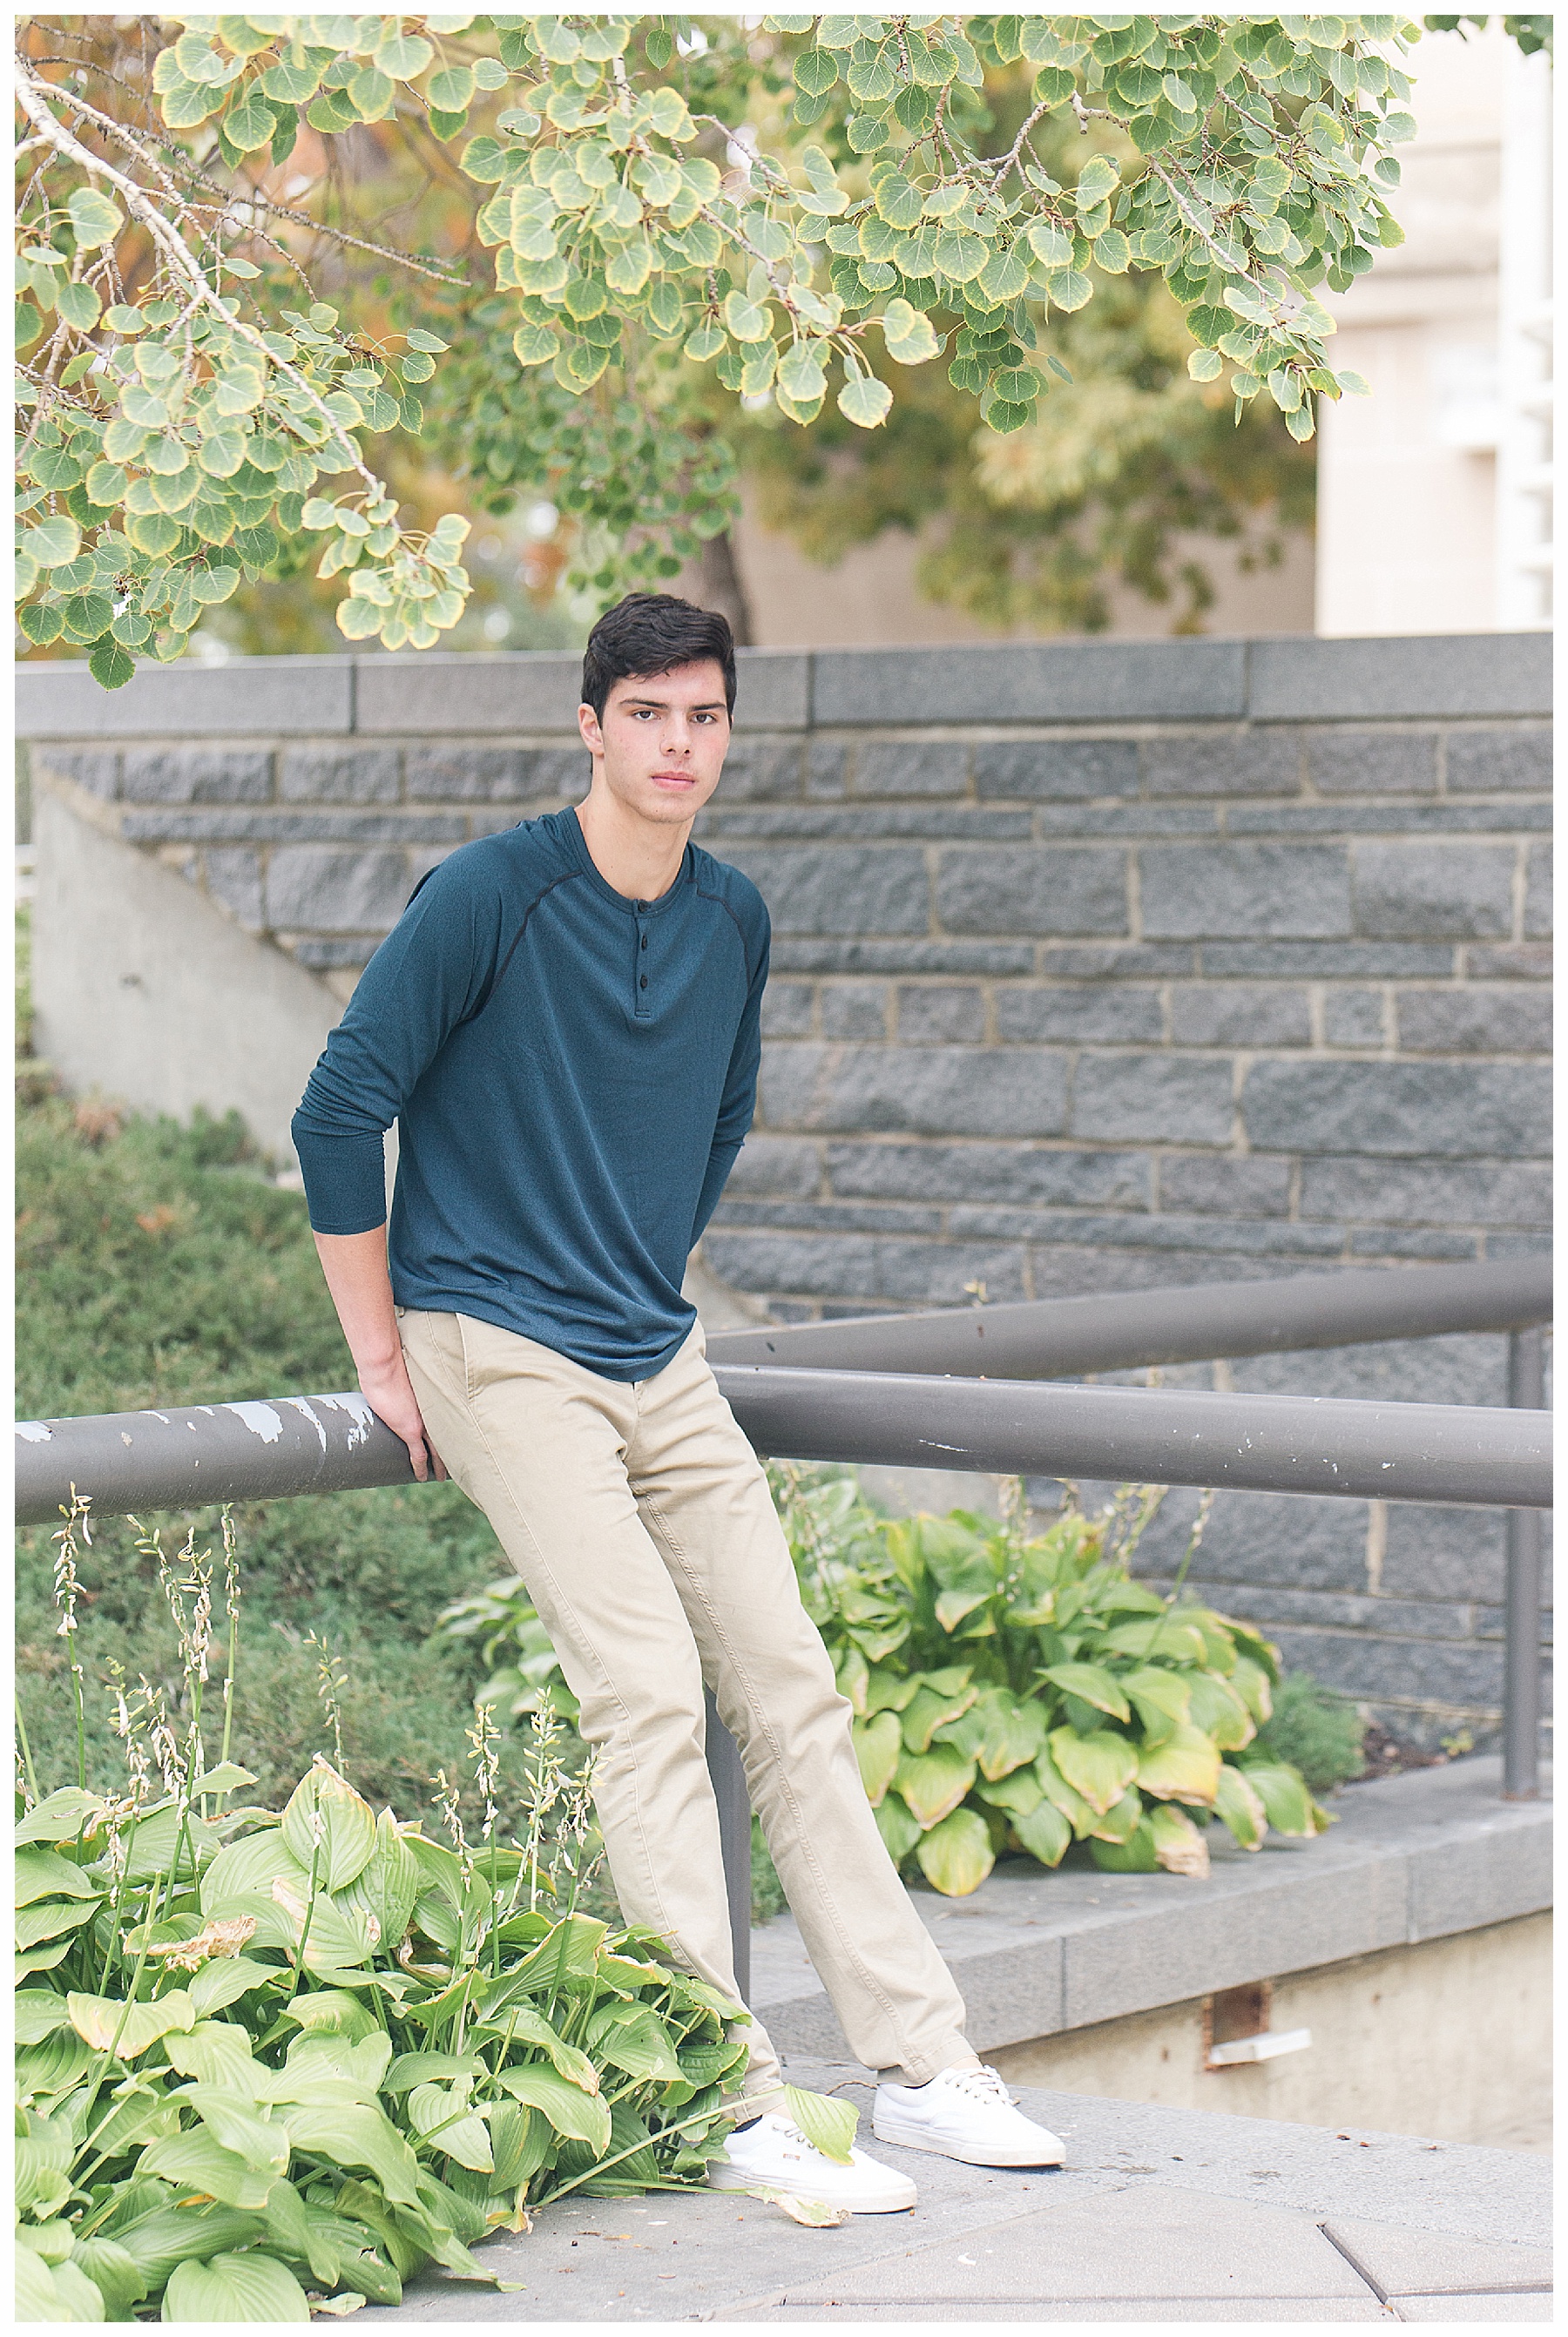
965 2113
775 2156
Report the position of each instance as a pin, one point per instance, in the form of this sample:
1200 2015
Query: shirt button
645 941
644 983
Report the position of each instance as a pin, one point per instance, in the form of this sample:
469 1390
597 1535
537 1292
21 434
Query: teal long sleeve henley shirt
572 1074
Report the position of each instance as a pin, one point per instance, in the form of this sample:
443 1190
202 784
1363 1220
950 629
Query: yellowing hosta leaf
932 1783
898 1827
1251 1682
1100 1766
98 2019
1013 1733
1283 1795
1043 1832
1162 1697
878 1743
1136 1855
928 1709
1018 1795
1183 1767
1092 1685
1219 1712
1177 1844
956 1856
251 1865
1238 1807
1063 1796
1119 1820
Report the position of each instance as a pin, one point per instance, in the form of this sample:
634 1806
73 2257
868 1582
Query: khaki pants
642 1525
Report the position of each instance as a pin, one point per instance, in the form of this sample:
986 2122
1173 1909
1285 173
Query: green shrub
1317 1730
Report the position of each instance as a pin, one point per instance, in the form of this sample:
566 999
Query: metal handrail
1064 1338
918 1416
1481 1455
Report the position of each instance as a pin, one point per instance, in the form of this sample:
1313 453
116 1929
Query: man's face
661 746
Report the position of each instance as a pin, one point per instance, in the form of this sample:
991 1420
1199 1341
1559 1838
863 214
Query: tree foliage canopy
640 258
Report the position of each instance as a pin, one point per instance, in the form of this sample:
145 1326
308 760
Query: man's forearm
355 1265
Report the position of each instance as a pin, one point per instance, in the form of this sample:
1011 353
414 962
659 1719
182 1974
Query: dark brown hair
650 633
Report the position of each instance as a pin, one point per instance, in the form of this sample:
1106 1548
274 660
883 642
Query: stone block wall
1094 968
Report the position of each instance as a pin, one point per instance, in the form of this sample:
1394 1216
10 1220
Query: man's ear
588 724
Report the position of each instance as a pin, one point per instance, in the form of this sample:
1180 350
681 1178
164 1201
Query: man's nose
677 737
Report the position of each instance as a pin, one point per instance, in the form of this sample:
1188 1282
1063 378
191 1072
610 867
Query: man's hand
389 1393
355 1265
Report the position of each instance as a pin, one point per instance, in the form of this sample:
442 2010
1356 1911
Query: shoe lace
980 2084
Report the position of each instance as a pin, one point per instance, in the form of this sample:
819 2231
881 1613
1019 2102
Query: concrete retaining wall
1096 967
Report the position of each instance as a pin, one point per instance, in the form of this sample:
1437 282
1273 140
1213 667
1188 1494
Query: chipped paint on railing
358 1412
35 1433
302 1403
259 1419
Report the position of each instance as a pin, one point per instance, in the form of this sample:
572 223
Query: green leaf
1099 1766
41 1872
53 543
930 1709
900 1830
239 2128
582 2117
94 218
1205 365
1043 1832
79 305
403 56
878 1745
350 2134
452 90
110 665
1070 288
865 401
1118 1820
113 2273
908 332
250 2286
1239 1808
197 2161
1220 1710
827 2124
956 1855
39 2013
1136 1855
932 1783
1013 1733
98 2018
1289 1806
1184 1767
1097 180
1092 1685
324 1803
217 2052
63 1814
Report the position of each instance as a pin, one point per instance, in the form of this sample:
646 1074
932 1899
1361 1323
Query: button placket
640 1007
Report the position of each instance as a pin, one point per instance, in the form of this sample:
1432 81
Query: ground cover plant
271 2059
1012 1692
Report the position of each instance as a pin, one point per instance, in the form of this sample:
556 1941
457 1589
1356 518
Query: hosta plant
271 2060
1010 1693
1023 1693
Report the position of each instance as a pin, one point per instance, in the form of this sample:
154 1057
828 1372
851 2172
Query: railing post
729 1775
1521 1656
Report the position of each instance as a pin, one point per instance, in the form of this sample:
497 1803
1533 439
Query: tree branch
177 255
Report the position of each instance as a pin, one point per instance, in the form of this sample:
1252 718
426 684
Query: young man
565 1025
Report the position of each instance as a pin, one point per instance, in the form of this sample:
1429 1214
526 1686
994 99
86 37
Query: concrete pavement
1158 2216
